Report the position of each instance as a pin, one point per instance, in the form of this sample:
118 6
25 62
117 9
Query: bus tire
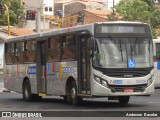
36 97
123 99
27 96
65 98
75 100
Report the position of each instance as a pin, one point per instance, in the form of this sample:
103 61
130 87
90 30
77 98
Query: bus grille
128 74
136 88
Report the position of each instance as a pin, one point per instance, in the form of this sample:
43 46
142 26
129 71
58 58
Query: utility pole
38 16
113 10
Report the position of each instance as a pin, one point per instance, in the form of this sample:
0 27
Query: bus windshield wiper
121 50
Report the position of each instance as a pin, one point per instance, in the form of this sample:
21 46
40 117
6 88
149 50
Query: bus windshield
126 52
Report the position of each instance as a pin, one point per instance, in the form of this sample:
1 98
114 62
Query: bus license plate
128 90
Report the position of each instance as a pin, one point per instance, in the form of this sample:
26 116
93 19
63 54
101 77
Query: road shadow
49 103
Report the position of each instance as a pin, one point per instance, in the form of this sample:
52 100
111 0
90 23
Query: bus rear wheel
72 96
27 96
123 99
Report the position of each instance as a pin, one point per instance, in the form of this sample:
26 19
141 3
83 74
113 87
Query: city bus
156 49
103 59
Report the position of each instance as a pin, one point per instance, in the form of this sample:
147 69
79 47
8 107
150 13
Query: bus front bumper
99 90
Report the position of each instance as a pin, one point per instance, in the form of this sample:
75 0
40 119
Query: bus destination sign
135 29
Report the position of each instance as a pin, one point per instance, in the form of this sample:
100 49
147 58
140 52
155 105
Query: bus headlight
100 81
97 79
150 80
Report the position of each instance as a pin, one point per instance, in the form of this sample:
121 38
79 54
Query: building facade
48 8
90 16
70 7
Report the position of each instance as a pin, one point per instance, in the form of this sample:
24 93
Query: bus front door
83 65
41 66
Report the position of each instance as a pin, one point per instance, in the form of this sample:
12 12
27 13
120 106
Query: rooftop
86 2
14 32
103 13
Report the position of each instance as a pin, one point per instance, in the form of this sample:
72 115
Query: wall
89 18
73 8
32 24
110 3
48 4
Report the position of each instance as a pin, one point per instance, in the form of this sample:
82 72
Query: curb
5 90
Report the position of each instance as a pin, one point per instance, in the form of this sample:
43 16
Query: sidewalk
2 89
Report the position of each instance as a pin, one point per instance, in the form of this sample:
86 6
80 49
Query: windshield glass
122 53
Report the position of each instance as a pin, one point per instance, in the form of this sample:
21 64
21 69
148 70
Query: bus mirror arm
91 44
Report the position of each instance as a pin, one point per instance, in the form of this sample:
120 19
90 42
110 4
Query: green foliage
15 11
140 10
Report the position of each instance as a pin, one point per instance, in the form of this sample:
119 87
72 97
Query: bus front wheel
123 99
74 99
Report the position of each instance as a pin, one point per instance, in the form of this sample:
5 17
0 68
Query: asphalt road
56 107
93 108
13 101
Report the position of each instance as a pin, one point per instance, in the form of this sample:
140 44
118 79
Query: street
11 101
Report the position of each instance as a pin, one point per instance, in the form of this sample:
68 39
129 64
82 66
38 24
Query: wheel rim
26 93
73 93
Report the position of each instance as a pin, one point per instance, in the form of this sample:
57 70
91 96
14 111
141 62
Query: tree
15 11
140 10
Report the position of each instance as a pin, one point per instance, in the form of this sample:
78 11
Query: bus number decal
116 82
67 70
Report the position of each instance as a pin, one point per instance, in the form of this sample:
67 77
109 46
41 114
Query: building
48 7
109 3
69 7
90 16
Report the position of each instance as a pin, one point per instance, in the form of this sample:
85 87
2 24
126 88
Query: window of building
99 9
46 8
50 9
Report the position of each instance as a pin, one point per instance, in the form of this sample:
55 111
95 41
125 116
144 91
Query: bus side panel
10 77
57 75
31 71
15 75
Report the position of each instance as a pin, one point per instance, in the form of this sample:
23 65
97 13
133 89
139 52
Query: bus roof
88 27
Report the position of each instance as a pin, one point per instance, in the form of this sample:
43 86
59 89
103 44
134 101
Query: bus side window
29 51
54 49
9 52
157 45
69 48
19 48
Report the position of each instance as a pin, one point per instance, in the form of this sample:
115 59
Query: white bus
108 59
156 49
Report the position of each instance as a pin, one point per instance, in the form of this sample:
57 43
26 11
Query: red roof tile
103 13
18 31
21 31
